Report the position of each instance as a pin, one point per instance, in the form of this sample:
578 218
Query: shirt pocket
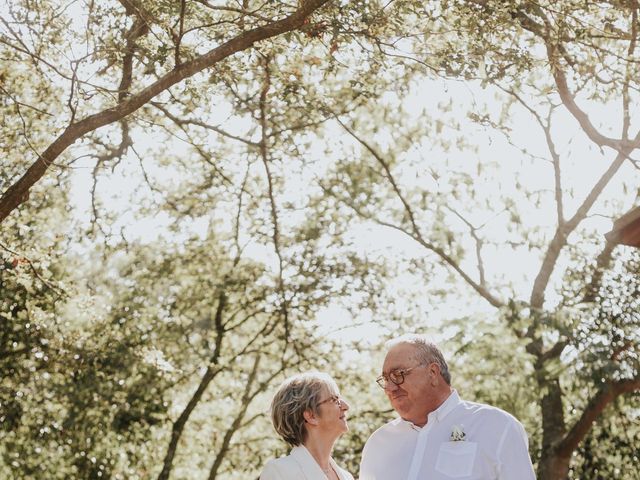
455 459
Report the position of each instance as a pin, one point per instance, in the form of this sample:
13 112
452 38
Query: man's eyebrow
395 369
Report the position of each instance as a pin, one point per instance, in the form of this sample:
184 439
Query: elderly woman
309 414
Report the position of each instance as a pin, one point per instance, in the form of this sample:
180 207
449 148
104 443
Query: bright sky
582 164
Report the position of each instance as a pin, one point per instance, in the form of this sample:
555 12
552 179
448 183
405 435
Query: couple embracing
437 435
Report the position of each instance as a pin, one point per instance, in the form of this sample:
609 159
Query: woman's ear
310 417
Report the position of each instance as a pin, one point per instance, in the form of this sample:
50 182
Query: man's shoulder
487 411
392 426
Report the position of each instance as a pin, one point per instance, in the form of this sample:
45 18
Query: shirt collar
452 401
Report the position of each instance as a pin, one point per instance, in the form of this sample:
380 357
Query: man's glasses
336 399
395 376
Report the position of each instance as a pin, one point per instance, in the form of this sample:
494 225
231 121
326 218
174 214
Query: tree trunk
552 466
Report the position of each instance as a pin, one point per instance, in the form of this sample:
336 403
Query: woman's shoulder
277 468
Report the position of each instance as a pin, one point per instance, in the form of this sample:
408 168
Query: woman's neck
320 449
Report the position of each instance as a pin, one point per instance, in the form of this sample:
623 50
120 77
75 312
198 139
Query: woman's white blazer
299 465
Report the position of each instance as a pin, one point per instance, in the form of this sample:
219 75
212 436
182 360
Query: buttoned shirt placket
418 453
421 445
423 435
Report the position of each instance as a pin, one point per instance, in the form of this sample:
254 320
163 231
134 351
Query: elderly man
439 436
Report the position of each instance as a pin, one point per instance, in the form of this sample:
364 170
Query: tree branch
478 241
210 373
626 121
139 29
20 258
602 263
181 122
178 40
415 234
247 398
563 231
555 157
607 394
264 155
16 194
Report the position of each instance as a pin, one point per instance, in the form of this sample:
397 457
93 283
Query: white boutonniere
457 434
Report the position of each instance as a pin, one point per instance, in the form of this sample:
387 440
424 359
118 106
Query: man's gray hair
296 395
427 352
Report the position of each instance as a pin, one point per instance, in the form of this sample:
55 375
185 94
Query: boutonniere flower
457 434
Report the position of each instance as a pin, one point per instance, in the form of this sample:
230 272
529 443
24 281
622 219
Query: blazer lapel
338 470
310 468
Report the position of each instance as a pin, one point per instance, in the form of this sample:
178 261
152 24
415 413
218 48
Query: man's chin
398 405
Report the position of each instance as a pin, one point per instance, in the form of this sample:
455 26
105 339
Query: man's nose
389 386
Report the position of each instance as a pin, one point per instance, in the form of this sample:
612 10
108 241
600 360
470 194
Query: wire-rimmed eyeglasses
337 400
395 376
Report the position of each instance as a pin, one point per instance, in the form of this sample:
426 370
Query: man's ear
434 370
310 417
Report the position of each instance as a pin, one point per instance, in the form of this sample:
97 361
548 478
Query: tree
562 66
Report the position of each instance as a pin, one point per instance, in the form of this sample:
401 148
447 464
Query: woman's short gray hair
296 395
427 352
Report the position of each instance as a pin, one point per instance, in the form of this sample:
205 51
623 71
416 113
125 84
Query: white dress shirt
495 446
299 465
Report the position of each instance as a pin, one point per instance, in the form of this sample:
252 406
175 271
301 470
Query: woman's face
332 413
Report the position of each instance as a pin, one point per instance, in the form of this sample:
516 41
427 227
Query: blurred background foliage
446 167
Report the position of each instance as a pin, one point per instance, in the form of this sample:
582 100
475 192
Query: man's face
413 399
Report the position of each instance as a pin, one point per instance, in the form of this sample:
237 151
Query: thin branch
264 155
545 125
74 80
94 208
626 121
415 233
178 40
23 48
24 132
22 104
187 121
448 260
243 11
21 258
152 187
478 241
236 227
388 175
